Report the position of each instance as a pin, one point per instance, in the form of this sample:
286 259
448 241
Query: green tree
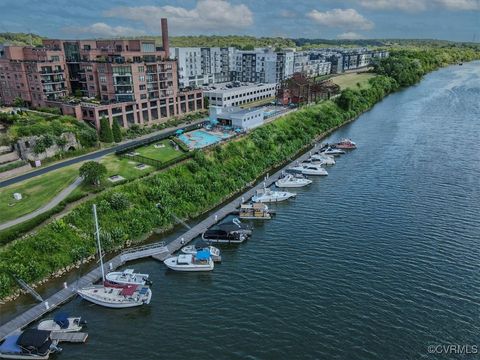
92 172
105 135
117 132
18 102
78 93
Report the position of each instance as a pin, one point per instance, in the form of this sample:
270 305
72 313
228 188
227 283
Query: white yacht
62 323
201 261
332 151
325 159
113 295
309 169
267 195
127 277
291 181
123 296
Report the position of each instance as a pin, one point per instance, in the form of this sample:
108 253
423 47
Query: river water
379 260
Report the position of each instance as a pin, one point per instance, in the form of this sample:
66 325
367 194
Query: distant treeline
20 39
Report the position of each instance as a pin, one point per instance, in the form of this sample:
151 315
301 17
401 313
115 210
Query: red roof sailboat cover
128 290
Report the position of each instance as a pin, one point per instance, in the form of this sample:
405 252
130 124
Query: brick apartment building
128 81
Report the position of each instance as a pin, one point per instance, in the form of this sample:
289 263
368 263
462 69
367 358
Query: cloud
420 5
460 4
206 15
103 30
350 35
342 18
404 5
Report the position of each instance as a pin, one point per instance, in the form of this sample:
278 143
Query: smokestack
165 45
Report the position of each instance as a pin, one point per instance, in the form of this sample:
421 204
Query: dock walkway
158 251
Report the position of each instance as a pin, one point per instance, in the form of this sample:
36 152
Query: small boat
254 211
306 169
201 261
62 323
324 159
346 144
227 233
267 195
332 151
122 296
128 277
194 249
29 344
290 181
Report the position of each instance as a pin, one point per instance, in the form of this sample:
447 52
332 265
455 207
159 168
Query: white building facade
224 96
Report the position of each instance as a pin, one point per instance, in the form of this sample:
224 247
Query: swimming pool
200 138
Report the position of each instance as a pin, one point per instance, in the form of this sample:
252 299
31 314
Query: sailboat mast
97 235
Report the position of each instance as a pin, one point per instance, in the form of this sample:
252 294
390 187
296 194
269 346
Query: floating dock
72 337
159 251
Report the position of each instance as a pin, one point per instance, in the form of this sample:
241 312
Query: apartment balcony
123 83
50 72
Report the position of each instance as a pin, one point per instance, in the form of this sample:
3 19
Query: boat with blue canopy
29 344
62 323
201 261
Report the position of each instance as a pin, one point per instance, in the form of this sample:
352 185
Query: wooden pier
159 251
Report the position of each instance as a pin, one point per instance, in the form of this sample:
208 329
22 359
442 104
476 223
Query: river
379 260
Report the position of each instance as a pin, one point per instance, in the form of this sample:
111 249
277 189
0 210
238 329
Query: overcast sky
332 19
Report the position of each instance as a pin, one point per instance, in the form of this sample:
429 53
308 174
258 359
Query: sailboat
114 296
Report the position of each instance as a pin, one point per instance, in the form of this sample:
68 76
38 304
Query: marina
158 251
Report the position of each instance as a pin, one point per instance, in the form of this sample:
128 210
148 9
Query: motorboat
267 195
194 249
127 277
121 296
201 261
306 169
324 159
113 295
332 151
62 323
29 344
291 181
226 233
255 211
346 144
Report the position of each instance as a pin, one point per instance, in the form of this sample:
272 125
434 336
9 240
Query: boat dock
159 251
72 337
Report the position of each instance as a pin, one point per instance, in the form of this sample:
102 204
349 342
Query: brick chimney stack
165 45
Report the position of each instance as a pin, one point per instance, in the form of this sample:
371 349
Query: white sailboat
119 296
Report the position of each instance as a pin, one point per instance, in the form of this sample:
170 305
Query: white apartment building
203 66
224 96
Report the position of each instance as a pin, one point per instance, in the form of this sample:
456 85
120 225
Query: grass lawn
35 192
123 167
162 154
350 80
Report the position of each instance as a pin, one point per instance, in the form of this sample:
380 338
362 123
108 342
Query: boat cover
33 338
61 319
10 345
203 254
128 290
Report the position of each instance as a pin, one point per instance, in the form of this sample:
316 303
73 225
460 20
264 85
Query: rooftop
233 86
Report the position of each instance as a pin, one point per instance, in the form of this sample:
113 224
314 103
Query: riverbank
207 179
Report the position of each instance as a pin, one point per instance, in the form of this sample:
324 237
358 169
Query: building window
141 69
148 47
103 79
55 58
141 78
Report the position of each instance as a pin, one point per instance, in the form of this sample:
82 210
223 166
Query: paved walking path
54 202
